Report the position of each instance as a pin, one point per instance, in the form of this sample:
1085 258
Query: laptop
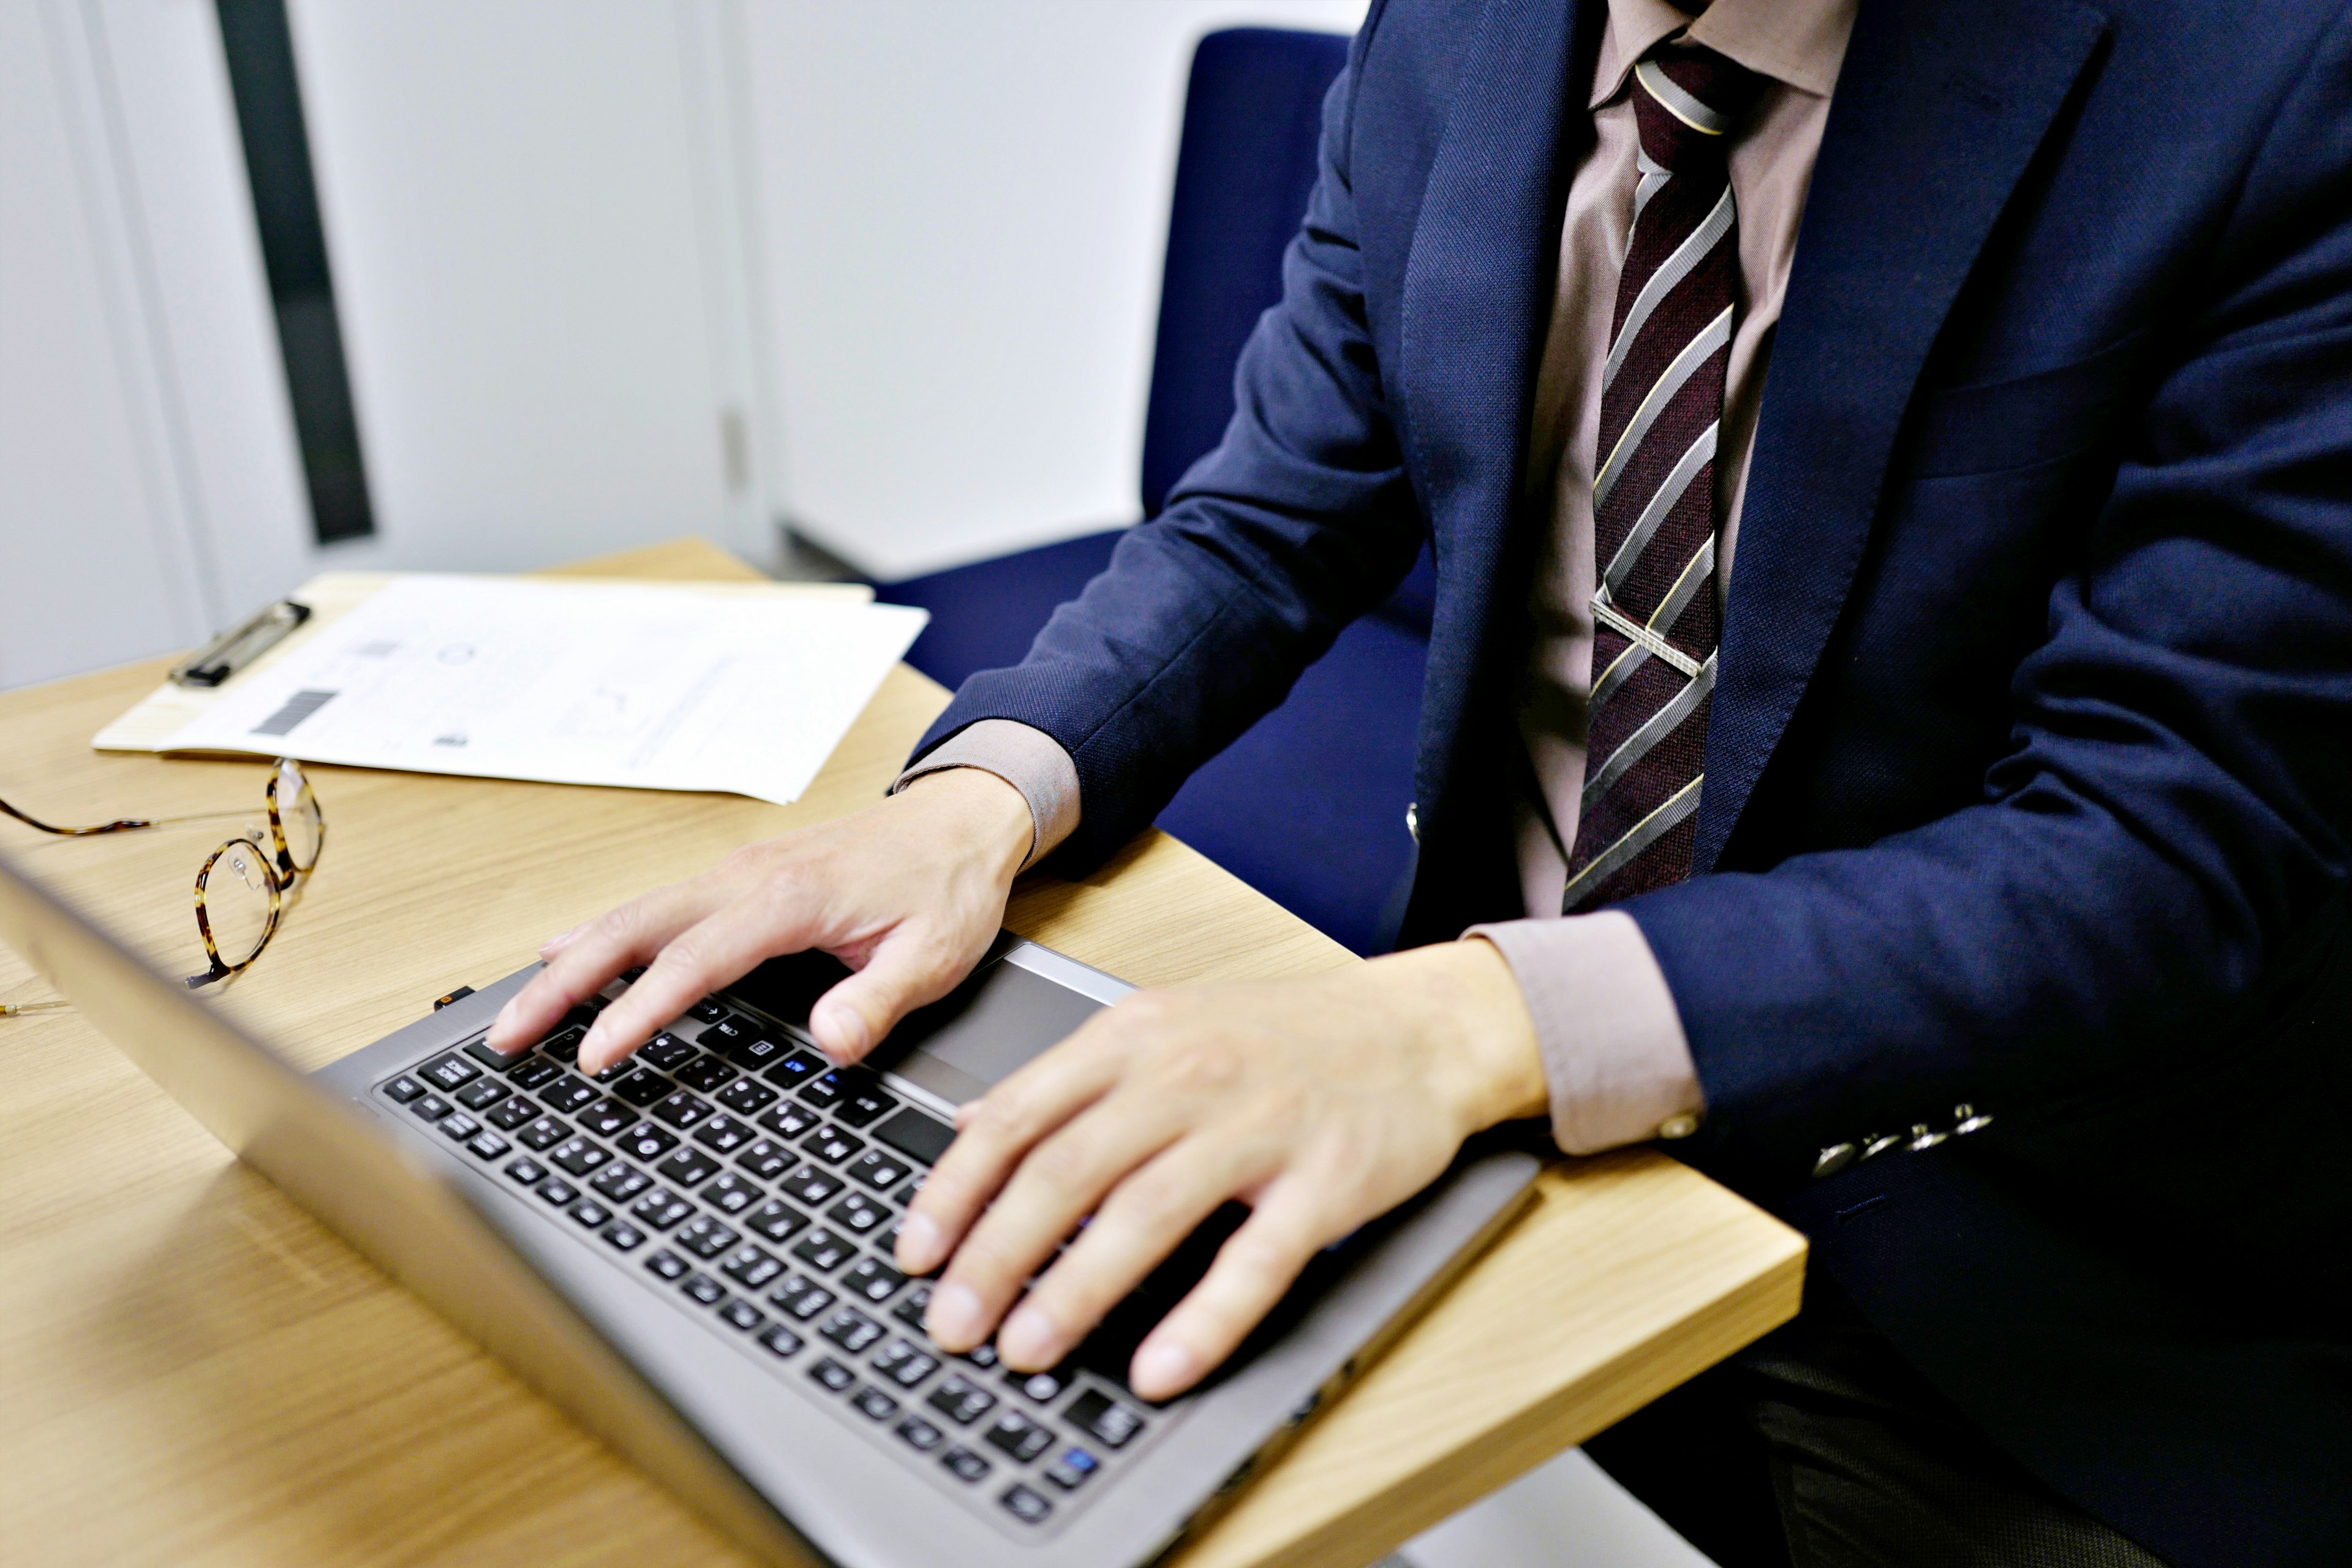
691 1253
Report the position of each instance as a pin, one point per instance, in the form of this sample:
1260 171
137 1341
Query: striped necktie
1653 608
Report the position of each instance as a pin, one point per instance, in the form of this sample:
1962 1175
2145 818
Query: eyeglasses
241 889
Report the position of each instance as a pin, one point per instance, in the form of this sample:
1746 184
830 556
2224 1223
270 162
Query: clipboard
332 595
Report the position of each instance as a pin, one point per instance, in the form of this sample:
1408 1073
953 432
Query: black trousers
1819 1447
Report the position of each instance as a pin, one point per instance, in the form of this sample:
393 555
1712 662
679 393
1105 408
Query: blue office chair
1308 806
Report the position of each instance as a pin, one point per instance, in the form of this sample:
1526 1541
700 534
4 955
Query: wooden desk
191 1371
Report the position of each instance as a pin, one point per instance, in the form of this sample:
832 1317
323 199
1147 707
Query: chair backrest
1253 118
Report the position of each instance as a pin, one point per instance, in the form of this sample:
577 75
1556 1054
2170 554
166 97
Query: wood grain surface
194 1373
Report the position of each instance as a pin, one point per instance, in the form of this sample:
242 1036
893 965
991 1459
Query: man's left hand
1318 1103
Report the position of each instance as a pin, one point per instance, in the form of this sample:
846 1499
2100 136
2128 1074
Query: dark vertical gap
260 48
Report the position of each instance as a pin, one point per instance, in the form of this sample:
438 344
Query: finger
1144 1219
909 967
1061 1182
723 946
600 951
1257 1264
993 1134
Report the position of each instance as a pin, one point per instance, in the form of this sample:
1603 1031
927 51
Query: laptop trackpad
1001 1015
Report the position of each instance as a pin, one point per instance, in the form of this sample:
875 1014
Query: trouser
1819 1447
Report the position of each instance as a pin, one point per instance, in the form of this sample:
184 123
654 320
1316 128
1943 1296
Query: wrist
1466 1007
981 809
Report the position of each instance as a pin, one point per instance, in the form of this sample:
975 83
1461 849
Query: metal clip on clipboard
232 651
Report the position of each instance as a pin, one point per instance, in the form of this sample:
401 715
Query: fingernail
954 1316
556 944
592 1046
921 1245
1029 1338
1164 1365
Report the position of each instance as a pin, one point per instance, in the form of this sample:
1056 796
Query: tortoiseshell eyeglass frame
276 858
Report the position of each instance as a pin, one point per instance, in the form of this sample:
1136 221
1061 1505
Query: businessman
1962 875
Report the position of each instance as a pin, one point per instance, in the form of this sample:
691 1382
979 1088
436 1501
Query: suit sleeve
1300 521
2163 850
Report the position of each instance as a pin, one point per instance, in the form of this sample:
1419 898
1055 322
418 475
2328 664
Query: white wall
964 209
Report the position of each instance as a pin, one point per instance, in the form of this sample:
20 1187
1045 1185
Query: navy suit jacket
2030 766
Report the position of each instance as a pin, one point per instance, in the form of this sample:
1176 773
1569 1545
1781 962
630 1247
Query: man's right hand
909 893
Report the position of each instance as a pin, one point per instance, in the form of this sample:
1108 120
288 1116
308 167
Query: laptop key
851 1330
983 1357
778 1222
619 1182
449 1073
527 1171
457 1126
822 1251
660 1209
403 1089
961 1401
688 1167
558 1191
863 1106
564 1044
565 1094
750 1266
920 1435
797 1068
746 1097
831 1145
704 1289
482 1094
857 1214
516 1110
542 1134
920 1138
486 1146
497 1061
667 1264
755 1052
1028 1506
682 1110
591 1213
620 1069
704 1073
802 1297
623 1235
808 1184
646 1141
1039 1387
705 1236
905 1363
1073 1469
765 1159
879 1170
579 1156
708 1011
534 1071
741 1314
789 1120
643 1089
825 1090
1016 1435
723 1134
1098 1413
873 1405
833 1375
780 1342
606 1118
665 1053
872 1281
730 1193
430 1108
964 1465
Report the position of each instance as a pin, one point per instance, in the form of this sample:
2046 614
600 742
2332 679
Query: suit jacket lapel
1476 299
1939 108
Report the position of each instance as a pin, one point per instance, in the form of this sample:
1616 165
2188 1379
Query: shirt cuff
1614 1054
1029 760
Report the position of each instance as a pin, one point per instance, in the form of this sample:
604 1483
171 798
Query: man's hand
908 892
1319 1102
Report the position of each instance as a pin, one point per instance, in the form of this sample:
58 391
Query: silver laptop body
757 1352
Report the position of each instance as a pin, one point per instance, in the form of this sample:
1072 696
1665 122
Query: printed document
626 684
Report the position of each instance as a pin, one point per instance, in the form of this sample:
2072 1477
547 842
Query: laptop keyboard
760 1189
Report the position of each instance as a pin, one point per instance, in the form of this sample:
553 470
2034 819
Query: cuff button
1833 1160
1681 1126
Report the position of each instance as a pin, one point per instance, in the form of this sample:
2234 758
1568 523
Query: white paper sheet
591 683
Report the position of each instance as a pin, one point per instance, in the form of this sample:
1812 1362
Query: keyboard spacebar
916 1135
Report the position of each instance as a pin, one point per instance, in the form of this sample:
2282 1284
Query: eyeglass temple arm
123 825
